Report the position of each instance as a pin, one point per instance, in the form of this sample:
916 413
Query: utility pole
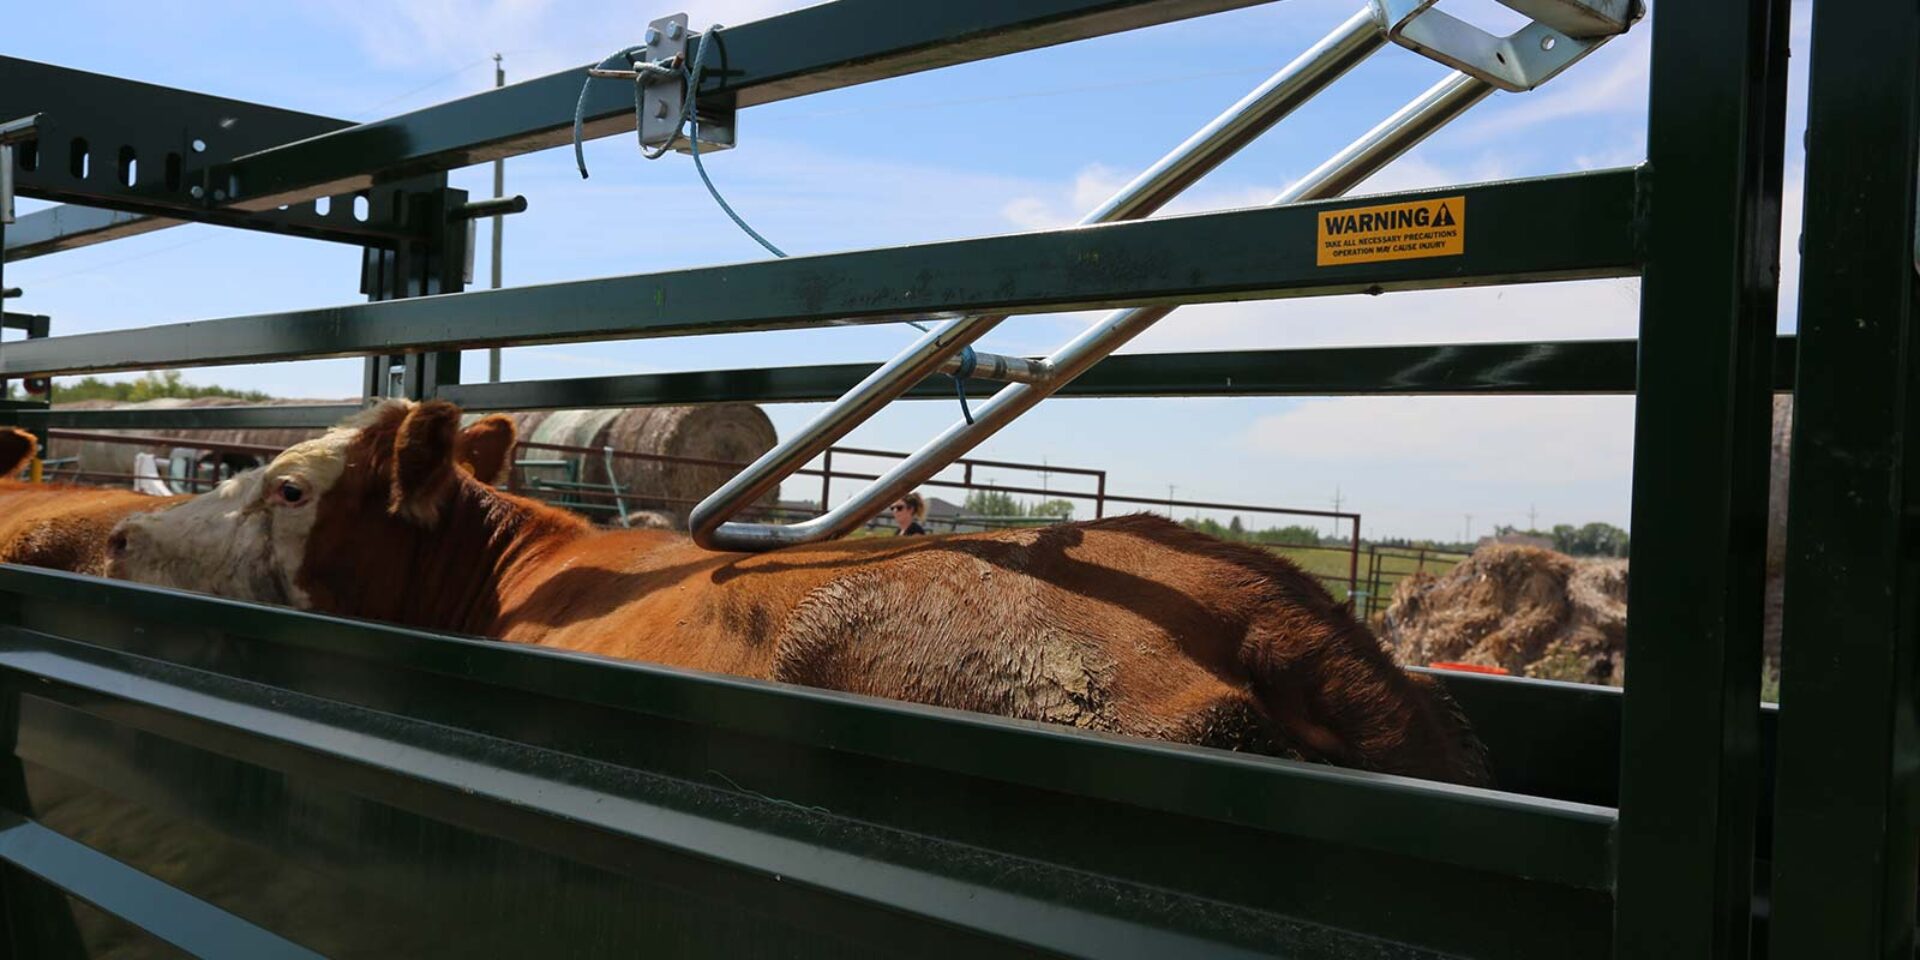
1533 518
1334 522
500 190
1468 539
1170 489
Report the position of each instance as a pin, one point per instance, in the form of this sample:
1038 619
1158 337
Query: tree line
153 385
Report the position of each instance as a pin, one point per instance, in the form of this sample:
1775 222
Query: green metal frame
513 800
1215 256
1690 725
1846 824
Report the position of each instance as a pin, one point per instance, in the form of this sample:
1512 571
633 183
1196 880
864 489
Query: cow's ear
16 448
423 478
484 446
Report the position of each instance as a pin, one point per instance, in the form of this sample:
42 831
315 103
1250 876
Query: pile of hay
1531 612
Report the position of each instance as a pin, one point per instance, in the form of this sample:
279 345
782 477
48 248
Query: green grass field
1330 565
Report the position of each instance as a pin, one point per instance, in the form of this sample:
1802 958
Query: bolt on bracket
1562 32
664 96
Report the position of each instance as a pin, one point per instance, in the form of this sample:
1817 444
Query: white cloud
1063 206
543 35
1474 440
1595 309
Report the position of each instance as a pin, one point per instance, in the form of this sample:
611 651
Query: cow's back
64 527
1131 625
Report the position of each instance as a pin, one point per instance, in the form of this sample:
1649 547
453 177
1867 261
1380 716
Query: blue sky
1023 142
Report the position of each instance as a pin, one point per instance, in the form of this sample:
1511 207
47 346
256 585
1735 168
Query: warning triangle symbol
1444 218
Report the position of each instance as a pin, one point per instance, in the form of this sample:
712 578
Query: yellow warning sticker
1397 231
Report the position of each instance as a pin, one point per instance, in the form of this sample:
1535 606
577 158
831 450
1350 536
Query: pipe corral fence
559 474
233 780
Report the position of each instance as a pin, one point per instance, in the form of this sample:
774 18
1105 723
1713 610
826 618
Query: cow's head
324 524
16 448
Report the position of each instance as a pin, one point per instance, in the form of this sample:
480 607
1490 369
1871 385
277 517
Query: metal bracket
664 96
1562 32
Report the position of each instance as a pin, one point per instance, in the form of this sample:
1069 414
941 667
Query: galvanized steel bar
1395 135
1689 748
1845 846
1295 84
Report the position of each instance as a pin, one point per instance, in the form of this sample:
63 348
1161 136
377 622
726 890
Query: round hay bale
733 433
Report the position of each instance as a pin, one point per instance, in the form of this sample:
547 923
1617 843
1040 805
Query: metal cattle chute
187 774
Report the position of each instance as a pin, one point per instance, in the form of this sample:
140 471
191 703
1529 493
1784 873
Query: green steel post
1690 722
1844 829
422 268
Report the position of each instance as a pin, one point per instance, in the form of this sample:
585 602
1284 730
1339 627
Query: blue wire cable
690 114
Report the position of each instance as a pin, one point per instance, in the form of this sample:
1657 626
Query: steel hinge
1562 32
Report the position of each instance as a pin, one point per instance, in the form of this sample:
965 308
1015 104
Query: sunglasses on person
896 508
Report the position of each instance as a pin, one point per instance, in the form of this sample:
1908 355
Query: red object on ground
1467 667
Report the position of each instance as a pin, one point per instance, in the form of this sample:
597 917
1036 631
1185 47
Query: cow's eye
290 493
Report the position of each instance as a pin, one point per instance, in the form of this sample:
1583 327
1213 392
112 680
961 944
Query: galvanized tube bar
1845 847
1281 94
1690 725
1376 148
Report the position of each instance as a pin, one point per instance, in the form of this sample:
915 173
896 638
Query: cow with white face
1130 625
247 537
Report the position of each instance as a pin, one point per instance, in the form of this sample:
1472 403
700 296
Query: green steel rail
1847 825
1197 258
1469 369
801 794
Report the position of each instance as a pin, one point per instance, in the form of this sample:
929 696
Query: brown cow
1131 625
60 526
66 526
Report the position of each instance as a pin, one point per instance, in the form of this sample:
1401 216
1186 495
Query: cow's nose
117 543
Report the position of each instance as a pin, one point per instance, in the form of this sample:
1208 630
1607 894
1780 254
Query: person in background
907 512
